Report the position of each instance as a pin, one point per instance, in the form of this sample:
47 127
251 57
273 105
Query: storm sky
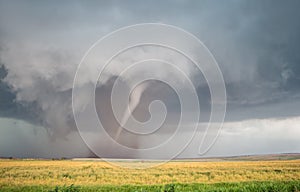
256 44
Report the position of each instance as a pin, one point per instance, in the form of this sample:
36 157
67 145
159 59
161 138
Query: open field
45 175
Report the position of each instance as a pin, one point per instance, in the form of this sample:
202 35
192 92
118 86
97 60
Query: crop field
69 175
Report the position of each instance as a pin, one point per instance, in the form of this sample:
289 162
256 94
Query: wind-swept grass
32 175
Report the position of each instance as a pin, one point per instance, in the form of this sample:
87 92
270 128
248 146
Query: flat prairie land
80 175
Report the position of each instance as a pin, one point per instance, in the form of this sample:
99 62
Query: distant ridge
254 157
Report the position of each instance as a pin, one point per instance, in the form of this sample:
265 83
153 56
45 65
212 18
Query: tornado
134 100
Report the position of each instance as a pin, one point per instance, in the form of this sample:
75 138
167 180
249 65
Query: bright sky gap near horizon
256 44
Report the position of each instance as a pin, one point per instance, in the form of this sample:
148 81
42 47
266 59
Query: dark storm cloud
9 107
273 40
256 43
274 37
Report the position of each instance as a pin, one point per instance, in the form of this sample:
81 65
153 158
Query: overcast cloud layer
256 43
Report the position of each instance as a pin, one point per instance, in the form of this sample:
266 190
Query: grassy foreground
278 186
37 175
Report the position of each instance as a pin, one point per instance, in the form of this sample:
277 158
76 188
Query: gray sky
256 44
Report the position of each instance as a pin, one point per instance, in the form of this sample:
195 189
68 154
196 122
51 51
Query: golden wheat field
89 173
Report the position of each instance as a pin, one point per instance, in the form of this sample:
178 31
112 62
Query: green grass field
283 186
67 175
